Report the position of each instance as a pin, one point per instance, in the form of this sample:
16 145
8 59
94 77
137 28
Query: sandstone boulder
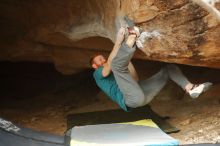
69 32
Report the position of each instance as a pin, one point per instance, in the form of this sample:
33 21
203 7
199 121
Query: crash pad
138 133
13 135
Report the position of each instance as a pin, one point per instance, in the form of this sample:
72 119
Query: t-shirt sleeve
98 73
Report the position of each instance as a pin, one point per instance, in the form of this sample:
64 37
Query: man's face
98 61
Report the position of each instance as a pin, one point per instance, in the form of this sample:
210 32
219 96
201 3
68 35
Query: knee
171 67
138 102
164 73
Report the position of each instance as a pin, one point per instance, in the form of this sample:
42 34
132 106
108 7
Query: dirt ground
58 96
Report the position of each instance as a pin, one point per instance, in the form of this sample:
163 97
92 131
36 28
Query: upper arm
106 70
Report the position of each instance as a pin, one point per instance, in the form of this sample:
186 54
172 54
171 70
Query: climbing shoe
199 89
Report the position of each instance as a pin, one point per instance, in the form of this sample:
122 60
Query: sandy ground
198 119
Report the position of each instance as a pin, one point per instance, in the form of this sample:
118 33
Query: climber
118 78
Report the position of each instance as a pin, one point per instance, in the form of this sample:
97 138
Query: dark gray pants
140 93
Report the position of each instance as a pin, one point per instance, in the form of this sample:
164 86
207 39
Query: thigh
132 92
154 84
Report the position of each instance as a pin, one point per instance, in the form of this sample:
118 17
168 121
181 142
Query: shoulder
97 74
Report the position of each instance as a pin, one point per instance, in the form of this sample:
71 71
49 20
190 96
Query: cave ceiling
68 32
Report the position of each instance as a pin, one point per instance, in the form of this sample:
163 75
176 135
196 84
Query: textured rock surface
69 32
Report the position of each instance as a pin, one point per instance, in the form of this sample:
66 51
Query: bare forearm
107 67
113 53
118 42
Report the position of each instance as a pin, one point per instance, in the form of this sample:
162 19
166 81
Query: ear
94 66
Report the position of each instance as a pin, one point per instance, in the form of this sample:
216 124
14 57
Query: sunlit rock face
69 32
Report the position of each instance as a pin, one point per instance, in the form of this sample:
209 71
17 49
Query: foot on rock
198 90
